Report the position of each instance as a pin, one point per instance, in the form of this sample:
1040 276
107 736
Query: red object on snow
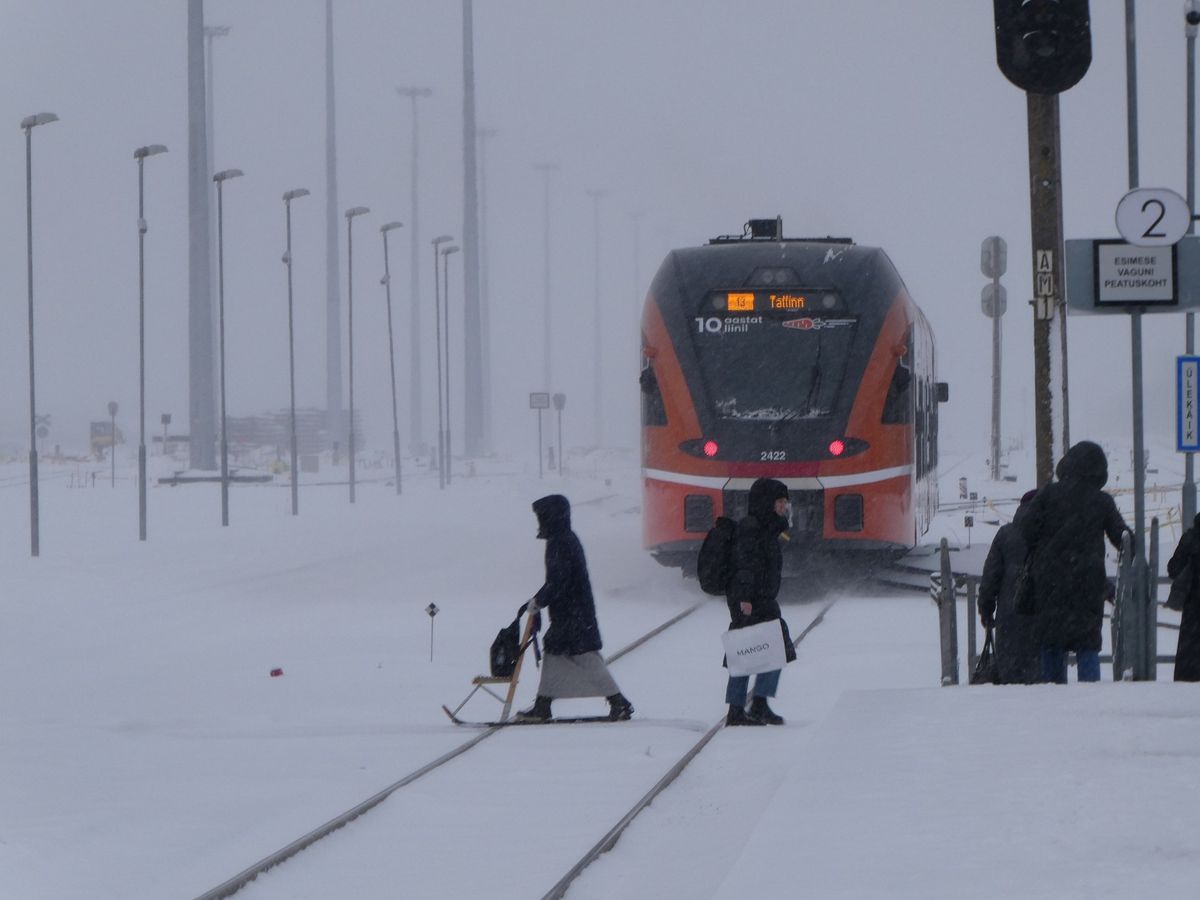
275 673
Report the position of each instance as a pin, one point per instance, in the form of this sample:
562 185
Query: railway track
234 884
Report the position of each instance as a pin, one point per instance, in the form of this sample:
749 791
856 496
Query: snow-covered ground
149 753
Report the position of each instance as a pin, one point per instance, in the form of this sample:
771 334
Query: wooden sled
487 682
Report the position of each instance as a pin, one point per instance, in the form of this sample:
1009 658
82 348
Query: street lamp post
387 286
547 364
416 428
437 309
351 214
597 394
446 251
1191 19
287 261
220 178
140 155
28 124
112 442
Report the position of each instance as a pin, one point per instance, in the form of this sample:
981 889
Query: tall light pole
547 366
112 442
386 280
220 178
333 303
472 317
287 261
140 155
416 428
597 320
437 311
446 251
351 214
28 124
483 134
1191 19
202 348
211 33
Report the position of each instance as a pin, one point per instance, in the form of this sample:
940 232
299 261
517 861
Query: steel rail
231 886
609 840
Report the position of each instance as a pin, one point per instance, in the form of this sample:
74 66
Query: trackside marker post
433 610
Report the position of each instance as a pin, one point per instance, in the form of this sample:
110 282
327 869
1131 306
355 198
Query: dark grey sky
885 121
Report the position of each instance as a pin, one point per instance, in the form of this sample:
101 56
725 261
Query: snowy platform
1083 791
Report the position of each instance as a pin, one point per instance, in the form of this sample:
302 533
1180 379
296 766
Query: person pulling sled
571 665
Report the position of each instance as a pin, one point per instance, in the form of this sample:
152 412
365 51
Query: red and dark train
804 360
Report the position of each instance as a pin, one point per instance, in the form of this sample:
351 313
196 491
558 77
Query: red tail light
710 448
837 447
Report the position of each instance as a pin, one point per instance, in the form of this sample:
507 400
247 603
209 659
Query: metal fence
1134 621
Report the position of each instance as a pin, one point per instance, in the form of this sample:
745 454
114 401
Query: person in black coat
573 666
1064 532
1017 653
753 592
1187 653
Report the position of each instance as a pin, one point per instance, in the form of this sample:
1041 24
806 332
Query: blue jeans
1054 665
765 684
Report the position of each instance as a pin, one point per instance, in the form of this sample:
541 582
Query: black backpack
505 650
714 565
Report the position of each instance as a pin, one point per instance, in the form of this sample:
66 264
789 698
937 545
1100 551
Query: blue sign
1187 384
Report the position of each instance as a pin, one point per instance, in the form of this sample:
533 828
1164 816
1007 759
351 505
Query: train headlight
837 447
711 448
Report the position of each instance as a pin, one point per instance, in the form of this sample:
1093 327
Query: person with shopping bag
753 592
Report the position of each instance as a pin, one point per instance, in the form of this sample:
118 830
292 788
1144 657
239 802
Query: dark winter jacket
1064 532
1187 654
1016 650
567 593
758 560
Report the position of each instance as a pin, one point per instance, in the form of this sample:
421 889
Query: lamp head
390 226
453 248
293 194
149 150
414 91
440 239
226 174
216 30
38 119
356 211
1191 17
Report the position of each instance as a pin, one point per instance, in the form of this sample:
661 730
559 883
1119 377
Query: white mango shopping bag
755 648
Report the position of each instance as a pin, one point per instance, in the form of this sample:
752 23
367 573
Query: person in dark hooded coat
753 593
573 666
1017 653
1187 653
1064 532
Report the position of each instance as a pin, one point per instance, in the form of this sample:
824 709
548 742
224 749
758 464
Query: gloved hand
987 619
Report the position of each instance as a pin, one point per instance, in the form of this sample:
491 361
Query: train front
801 360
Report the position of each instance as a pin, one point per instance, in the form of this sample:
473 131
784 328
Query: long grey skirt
583 675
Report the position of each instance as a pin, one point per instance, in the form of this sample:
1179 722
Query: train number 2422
772 455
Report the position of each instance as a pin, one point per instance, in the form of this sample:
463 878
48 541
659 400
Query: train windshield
775 357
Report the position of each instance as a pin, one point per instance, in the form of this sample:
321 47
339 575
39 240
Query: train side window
897 405
654 412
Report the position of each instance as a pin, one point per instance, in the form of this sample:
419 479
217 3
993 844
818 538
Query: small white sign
1132 276
539 400
1153 217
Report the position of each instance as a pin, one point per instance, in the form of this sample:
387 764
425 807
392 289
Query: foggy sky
884 121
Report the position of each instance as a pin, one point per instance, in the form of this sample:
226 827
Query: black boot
539 712
619 707
737 716
763 713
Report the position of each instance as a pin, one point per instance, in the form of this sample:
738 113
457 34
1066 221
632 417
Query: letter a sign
1045 273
